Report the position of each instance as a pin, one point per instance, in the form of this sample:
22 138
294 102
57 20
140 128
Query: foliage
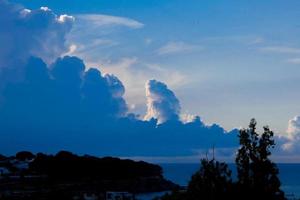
24 155
65 165
257 175
212 181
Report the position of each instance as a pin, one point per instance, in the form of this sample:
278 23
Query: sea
289 175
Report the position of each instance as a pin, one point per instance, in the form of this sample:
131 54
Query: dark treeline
66 165
65 176
257 174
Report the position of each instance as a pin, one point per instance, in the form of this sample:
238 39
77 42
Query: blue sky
226 61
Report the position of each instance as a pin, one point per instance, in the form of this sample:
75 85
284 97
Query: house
4 171
119 196
90 196
20 165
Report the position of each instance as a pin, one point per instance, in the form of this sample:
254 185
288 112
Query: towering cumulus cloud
162 104
25 32
63 92
60 104
293 134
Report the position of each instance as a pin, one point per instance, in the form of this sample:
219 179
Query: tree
2 157
25 155
257 174
212 181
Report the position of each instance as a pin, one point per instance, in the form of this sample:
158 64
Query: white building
119 196
89 197
4 171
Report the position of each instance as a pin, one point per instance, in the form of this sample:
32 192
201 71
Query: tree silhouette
25 155
248 142
212 181
257 174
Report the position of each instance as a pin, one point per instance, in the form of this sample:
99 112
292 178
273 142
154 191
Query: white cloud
133 72
281 49
72 49
162 104
95 39
177 47
25 33
294 61
92 33
187 118
89 50
292 135
108 20
45 9
82 98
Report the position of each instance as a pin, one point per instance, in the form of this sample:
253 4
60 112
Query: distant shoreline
39 176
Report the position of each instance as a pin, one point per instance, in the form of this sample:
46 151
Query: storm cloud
57 103
66 106
25 32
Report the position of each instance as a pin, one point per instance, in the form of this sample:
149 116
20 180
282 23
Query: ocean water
289 175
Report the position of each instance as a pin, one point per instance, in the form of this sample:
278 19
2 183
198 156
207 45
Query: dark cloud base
65 107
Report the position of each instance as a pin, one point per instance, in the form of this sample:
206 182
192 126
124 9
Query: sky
225 61
239 59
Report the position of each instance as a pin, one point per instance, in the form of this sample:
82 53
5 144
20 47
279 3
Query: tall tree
257 174
211 181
